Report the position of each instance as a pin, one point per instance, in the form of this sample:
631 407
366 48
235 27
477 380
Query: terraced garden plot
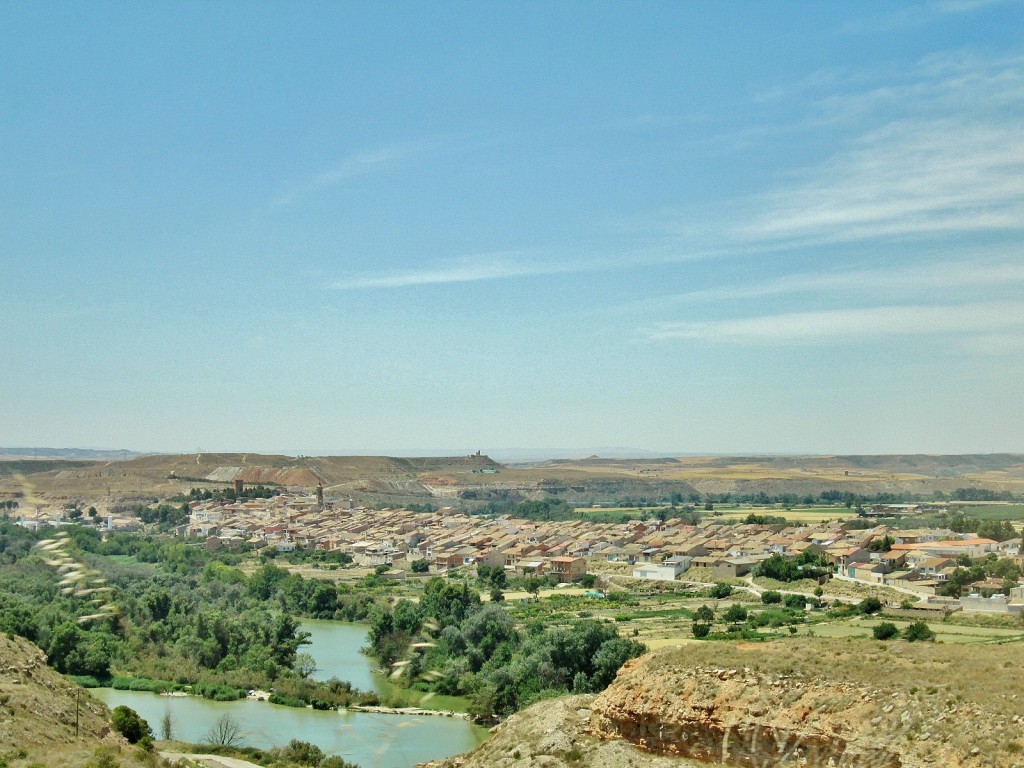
945 633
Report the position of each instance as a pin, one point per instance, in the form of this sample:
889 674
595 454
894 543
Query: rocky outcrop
553 734
908 714
735 717
806 702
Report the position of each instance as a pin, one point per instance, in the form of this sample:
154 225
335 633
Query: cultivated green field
944 633
805 515
798 515
994 511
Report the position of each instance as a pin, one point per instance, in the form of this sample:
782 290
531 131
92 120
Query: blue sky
404 227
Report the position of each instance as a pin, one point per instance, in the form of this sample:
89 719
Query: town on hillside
916 562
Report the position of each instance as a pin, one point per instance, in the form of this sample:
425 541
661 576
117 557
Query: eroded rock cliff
813 703
849 705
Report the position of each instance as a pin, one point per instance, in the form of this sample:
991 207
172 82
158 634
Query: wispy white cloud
938 151
862 324
907 179
356 164
967 6
360 163
463 270
934 151
941 85
932 278
905 15
937 156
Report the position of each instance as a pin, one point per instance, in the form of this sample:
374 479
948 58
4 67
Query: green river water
369 740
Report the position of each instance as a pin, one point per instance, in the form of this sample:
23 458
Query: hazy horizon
500 455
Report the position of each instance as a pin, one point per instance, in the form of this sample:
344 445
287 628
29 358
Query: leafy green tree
166 725
736 614
869 605
18 619
333 761
93 655
720 590
158 602
63 642
533 585
495 576
701 630
264 582
545 510
755 519
581 683
408 617
918 631
769 597
782 568
129 724
882 545
323 601
419 566
704 614
610 657
884 631
303 753
305 664
381 625
794 602
448 602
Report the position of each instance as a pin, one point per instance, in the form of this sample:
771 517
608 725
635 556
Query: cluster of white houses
919 561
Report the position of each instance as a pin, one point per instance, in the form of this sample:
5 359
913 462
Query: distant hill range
476 479
91 454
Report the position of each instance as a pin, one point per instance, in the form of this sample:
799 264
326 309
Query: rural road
210 761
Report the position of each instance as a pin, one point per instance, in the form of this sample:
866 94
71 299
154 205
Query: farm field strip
994 511
947 633
807 515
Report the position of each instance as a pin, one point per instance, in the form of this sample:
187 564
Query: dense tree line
755 519
991 566
807 565
545 510
451 643
258 491
982 494
182 616
997 530
849 500
165 516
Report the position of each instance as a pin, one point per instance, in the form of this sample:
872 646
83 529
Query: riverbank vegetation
178 618
453 644
295 754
